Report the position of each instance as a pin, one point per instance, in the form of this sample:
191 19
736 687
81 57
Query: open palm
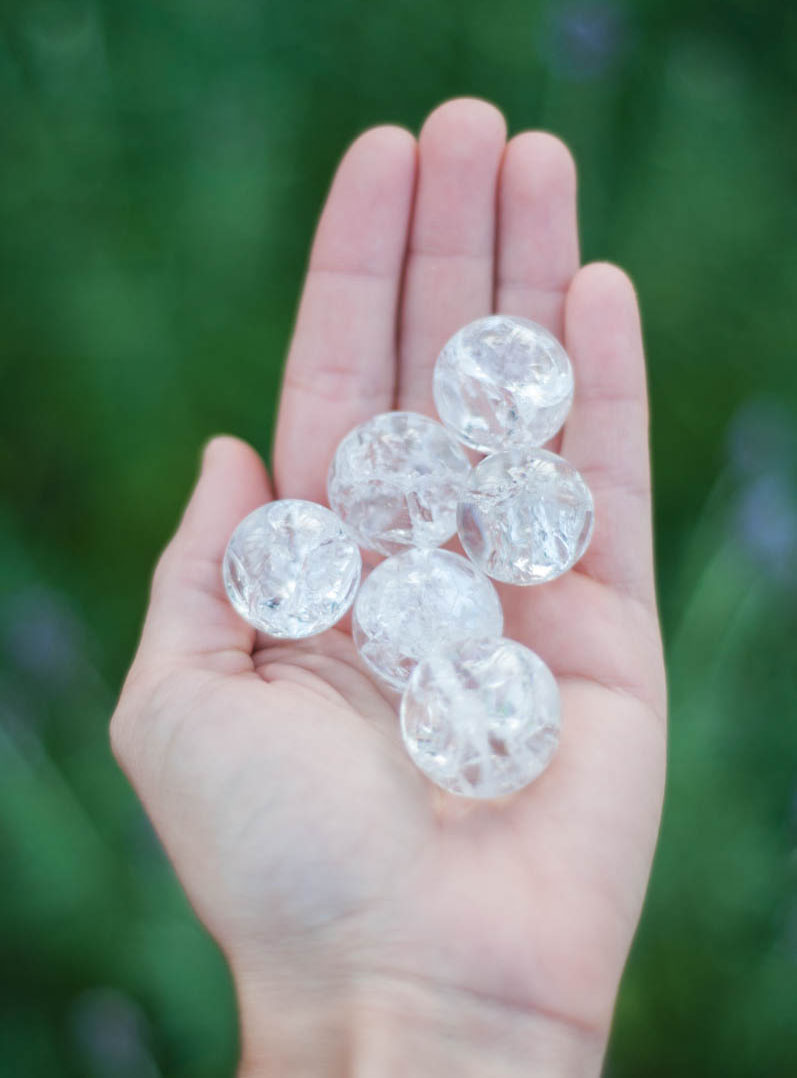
321 860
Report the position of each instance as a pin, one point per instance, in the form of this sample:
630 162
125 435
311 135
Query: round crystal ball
395 480
526 516
481 717
418 598
291 569
503 381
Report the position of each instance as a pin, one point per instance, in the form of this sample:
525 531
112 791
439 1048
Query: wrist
390 1028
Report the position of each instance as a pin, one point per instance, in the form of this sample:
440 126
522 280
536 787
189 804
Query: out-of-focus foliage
162 163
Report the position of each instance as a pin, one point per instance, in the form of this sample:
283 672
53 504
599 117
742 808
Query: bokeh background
162 164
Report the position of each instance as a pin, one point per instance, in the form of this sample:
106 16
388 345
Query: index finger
341 366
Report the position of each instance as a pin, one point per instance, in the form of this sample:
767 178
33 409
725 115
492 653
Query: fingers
537 252
341 366
189 613
596 315
449 272
606 434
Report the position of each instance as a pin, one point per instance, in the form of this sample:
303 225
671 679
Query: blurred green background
162 163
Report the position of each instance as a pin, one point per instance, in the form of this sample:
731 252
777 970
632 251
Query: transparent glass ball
501 382
395 481
526 516
418 599
481 717
291 569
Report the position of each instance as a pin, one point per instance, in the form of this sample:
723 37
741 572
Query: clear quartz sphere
414 599
526 516
480 717
395 480
503 381
291 569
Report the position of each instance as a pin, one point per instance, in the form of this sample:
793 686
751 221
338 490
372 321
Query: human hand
372 924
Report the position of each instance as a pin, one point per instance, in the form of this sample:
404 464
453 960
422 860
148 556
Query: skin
374 925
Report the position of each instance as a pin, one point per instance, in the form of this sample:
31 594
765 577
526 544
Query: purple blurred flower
585 39
20 721
111 1034
762 438
766 522
43 636
762 452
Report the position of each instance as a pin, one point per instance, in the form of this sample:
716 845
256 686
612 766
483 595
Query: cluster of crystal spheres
479 713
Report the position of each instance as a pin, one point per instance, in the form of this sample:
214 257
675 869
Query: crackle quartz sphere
395 480
503 381
480 717
418 599
291 569
526 516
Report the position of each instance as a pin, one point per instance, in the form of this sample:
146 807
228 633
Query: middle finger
449 271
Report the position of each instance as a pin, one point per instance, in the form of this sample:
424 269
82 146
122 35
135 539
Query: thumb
189 613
